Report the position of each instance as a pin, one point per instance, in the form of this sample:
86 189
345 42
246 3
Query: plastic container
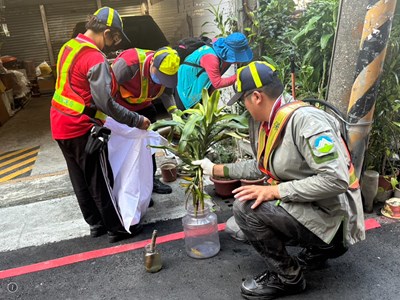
201 233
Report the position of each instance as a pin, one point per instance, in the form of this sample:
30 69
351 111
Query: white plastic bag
130 159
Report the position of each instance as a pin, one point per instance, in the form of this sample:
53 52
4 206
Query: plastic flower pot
224 187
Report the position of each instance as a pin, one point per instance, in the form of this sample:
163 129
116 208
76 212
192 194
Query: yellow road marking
16 166
19 172
7 162
13 153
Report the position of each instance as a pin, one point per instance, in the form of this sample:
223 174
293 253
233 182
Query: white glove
206 165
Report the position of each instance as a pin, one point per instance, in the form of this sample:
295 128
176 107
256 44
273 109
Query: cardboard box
46 84
9 80
4 104
2 87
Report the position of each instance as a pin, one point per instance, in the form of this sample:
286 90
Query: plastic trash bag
130 158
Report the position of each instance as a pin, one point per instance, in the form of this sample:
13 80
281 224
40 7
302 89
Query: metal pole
99 4
47 34
375 35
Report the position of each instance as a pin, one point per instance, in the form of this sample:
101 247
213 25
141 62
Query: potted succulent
199 129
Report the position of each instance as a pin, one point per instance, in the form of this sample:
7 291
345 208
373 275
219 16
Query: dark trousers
91 188
270 229
150 113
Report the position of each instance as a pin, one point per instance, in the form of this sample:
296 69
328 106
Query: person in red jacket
144 76
84 95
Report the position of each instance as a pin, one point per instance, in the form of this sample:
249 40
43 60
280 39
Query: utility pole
371 56
351 18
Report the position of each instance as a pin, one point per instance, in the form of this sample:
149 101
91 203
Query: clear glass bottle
201 233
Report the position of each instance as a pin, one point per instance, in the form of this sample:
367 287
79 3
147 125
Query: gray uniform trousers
269 228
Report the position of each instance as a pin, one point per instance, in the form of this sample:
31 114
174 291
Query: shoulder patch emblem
323 144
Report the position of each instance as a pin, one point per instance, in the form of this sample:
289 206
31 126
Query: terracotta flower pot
259 181
224 187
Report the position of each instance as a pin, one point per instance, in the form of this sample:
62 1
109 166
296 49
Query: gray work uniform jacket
312 165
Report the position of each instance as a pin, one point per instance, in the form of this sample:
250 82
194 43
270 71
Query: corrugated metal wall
61 19
27 40
124 7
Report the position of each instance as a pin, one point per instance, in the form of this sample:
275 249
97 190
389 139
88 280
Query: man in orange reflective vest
84 95
144 76
314 200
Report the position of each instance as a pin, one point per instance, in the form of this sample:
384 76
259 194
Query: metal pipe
47 34
99 4
372 52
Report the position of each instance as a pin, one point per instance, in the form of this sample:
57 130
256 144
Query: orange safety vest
144 83
266 144
65 99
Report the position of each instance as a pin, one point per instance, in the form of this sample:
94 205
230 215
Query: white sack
130 159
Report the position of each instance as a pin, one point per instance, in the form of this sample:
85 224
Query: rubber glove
206 165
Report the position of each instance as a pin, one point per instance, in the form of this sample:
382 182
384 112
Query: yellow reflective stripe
97 12
75 105
75 48
269 65
110 16
144 81
254 74
69 103
239 82
279 123
100 115
172 107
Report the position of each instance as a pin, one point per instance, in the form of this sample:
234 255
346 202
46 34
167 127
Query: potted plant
198 130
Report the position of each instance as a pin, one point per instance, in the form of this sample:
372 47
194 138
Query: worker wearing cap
144 76
84 95
203 69
314 199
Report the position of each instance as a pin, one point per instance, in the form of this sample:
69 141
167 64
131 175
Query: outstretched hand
260 193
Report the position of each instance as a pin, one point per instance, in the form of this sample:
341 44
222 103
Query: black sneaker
314 258
117 236
97 230
161 188
151 202
268 285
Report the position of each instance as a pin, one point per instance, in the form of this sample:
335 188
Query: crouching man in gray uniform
314 200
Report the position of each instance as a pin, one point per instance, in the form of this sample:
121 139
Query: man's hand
146 123
206 165
259 193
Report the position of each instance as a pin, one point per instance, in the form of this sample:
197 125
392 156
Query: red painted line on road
75 258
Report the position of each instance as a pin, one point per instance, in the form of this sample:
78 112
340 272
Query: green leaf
325 40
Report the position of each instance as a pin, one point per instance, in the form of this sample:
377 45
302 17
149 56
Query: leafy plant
225 24
279 33
199 129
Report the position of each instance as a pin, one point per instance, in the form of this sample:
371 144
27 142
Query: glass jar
152 259
201 233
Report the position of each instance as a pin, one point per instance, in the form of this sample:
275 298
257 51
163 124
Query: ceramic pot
224 187
385 190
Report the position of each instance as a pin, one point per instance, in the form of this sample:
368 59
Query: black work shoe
117 236
161 188
97 230
314 258
269 286
151 202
